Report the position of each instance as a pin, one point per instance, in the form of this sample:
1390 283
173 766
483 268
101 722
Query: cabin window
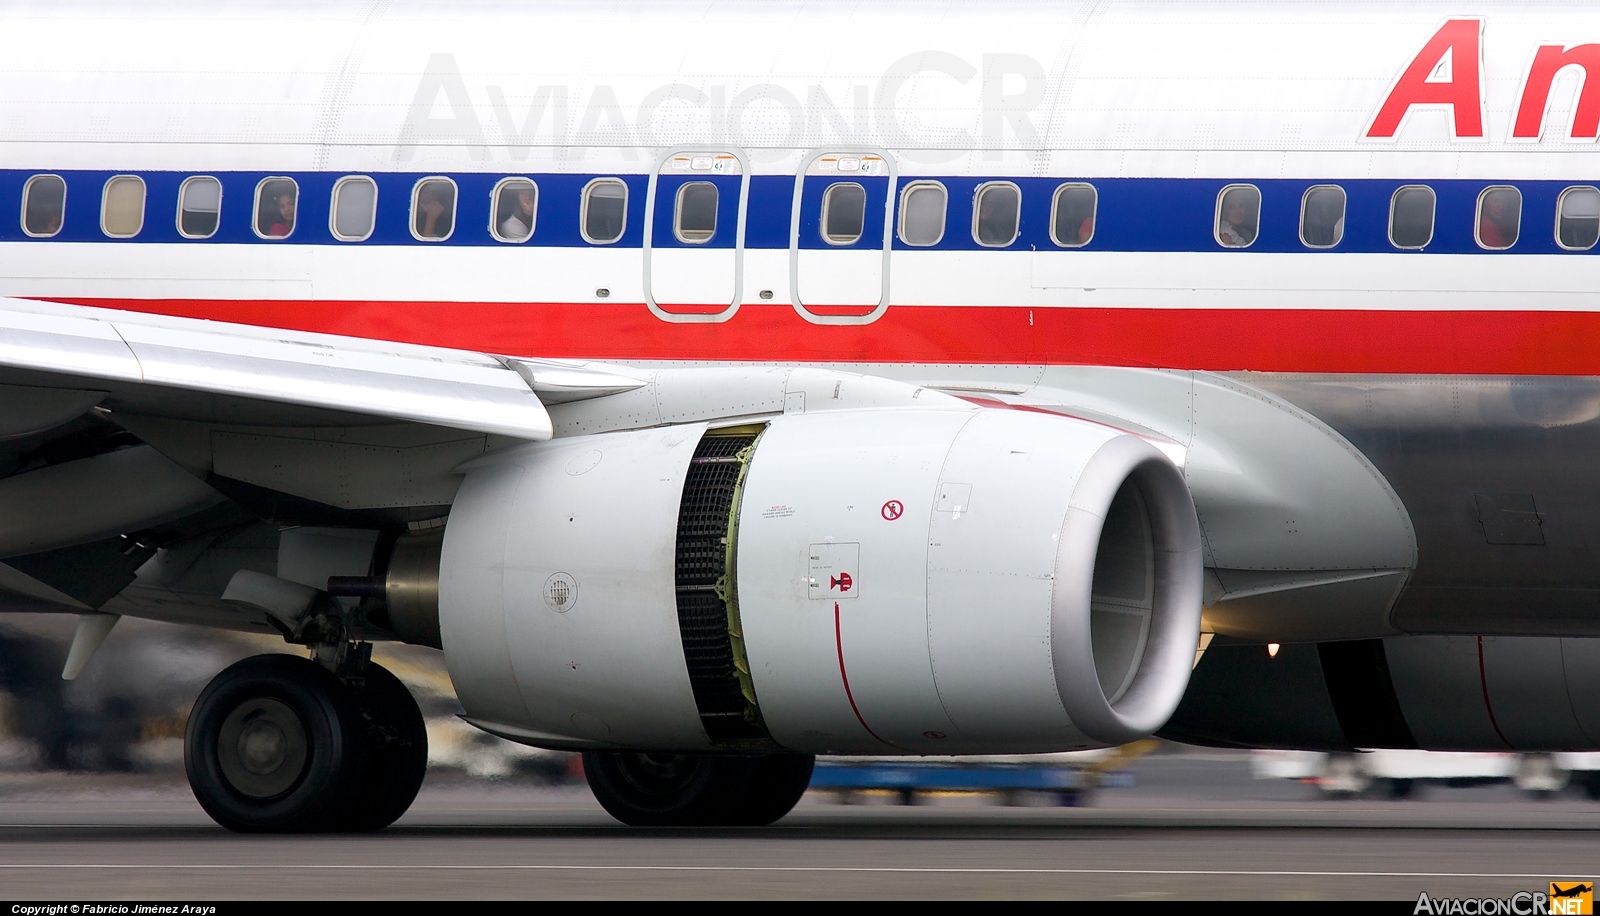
844 213
199 207
355 208
1072 215
695 218
1499 217
122 207
922 211
1238 216
1411 216
433 209
277 201
44 203
1322 216
605 211
996 214
1578 219
516 207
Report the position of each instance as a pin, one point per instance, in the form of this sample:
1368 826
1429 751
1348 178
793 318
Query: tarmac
1196 826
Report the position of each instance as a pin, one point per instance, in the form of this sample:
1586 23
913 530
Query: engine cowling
858 581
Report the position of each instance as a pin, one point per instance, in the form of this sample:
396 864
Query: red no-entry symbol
893 509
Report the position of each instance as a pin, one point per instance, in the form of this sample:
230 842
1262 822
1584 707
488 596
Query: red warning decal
842 582
893 509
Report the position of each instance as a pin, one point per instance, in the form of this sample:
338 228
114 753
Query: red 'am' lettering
1457 39
1547 62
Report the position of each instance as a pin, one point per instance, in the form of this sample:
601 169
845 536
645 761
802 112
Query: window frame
977 202
677 212
455 208
333 208
494 203
255 210
905 198
1561 198
105 196
583 209
1433 224
177 216
1055 206
1305 199
22 218
1477 215
822 223
1216 218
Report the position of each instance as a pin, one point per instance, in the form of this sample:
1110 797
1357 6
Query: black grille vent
703 519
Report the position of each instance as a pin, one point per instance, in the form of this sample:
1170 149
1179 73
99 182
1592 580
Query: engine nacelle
926 581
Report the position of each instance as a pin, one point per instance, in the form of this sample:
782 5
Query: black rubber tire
776 784
397 751
319 793
696 790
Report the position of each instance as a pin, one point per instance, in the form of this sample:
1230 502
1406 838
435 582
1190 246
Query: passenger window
355 208
276 202
695 221
199 207
844 213
1238 216
922 211
516 204
605 211
44 203
1411 216
996 214
122 207
1578 219
1072 215
433 209
1322 216
1499 217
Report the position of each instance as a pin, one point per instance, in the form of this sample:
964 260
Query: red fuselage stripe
1269 340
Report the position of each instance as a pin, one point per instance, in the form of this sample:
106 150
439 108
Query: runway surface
1196 826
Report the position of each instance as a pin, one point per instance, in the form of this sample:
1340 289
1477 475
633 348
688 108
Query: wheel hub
261 748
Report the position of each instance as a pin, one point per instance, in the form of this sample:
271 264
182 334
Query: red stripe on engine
838 641
1280 340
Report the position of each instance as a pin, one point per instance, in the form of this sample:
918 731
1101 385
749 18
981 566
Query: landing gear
692 790
279 744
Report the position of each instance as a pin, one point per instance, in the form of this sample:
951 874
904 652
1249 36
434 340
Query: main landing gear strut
282 744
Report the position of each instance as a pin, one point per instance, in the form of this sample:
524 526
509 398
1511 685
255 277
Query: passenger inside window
275 207
1411 217
1499 217
1578 220
844 213
605 210
1073 225
1238 216
999 209
434 211
199 207
922 211
44 200
514 210
1322 217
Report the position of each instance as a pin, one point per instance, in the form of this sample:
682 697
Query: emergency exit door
694 234
841 236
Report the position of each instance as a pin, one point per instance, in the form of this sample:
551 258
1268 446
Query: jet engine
879 581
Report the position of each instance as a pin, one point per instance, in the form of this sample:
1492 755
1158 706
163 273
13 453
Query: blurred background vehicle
1403 773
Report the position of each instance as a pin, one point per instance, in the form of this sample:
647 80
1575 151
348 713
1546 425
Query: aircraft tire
696 790
276 744
398 751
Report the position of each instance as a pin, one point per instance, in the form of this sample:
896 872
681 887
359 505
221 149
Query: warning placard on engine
835 570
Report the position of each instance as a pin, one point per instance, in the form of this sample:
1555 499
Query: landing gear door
694 225
841 236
